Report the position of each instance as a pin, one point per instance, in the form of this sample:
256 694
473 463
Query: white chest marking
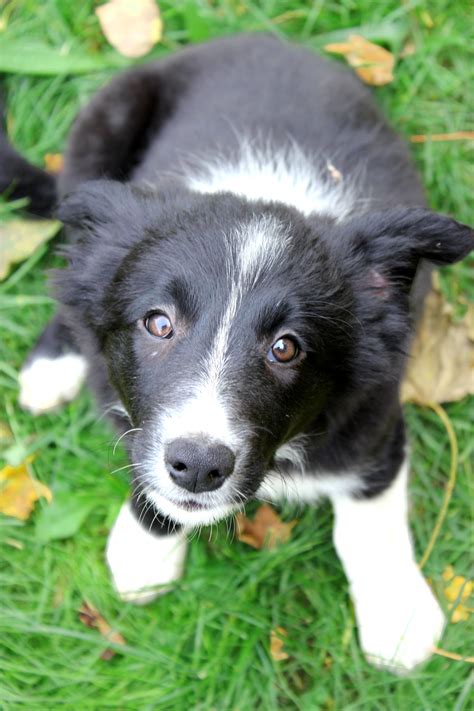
274 174
300 488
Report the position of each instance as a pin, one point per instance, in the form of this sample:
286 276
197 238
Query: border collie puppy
246 246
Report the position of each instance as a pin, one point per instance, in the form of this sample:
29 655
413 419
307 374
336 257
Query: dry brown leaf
54 162
133 27
441 367
20 238
267 530
373 63
457 592
91 617
277 643
19 491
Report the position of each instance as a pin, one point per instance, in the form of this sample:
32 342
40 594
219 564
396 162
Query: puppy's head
230 328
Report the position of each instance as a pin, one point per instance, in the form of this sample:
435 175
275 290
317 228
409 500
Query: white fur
398 617
46 383
202 416
202 517
301 487
269 173
140 561
307 489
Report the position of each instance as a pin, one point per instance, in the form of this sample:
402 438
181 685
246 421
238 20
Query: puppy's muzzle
198 467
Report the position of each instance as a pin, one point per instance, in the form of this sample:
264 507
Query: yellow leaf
19 491
441 367
133 27
276 644
457 592
54 162
448 573
20 238
373 63
267 530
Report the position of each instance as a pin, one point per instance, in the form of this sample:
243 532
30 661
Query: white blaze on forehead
254 247
275 174
259 246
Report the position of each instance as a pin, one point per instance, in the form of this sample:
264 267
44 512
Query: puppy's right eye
159 325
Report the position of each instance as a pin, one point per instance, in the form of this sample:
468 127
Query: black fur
348 289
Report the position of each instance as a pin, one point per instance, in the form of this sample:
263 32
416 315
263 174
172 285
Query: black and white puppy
246 246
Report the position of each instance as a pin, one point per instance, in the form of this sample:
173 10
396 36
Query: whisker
133 429
126 466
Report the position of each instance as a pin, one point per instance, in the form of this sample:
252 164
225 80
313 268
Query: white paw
143 565
399 622
46 383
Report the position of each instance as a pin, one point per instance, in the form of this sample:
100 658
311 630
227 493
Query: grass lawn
206 645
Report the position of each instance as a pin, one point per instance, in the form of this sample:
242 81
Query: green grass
206 645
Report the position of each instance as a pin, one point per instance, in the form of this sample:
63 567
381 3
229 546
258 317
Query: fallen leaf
54 162
277 643
441 367
457 592
133 27
19 491
455 136
372 63
20 238
91 617
266 530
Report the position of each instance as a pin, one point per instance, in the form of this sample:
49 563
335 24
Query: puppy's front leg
398 617
145 552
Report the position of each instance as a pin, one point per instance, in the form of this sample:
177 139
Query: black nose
198 467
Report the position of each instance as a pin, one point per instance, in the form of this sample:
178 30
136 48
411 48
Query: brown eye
283 351
159 325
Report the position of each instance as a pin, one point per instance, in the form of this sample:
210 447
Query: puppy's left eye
284 350
159 325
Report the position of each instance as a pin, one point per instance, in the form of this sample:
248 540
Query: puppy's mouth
190 511
190 505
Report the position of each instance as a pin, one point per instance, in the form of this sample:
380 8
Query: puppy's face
232 329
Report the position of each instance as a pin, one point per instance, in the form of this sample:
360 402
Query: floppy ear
380 252
107 218
95 204
395 240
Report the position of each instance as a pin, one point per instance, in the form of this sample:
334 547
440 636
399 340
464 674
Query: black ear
396 239
96 203
107 218
380 252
